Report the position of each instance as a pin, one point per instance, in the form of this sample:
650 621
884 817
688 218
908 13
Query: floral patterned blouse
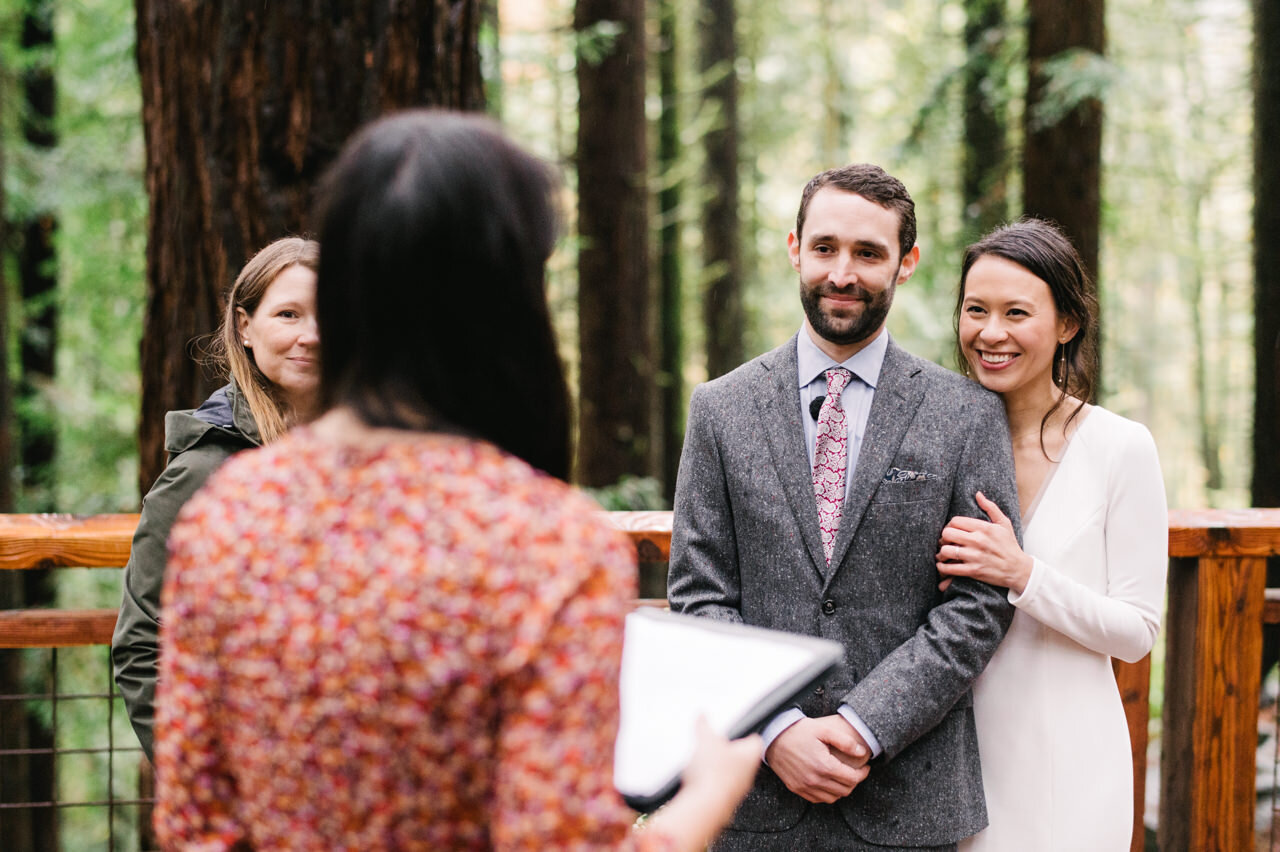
413 645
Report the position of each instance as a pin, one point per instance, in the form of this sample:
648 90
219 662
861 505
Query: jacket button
829 606
819 691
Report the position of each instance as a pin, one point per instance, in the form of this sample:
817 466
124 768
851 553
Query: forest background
739 103
819 84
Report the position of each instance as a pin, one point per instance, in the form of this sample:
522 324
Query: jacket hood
224 413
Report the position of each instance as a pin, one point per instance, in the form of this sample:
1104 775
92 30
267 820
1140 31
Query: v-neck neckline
1029 515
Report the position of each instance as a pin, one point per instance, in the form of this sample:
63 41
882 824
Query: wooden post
1211 703
1134 682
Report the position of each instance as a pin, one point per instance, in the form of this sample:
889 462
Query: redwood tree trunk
1266 254
1062 163
244 104
615 410
671 327
1266 281
721 246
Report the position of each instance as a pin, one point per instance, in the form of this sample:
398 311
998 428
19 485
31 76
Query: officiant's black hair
434 234
1041 248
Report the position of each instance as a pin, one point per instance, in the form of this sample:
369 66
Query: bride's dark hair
1042 249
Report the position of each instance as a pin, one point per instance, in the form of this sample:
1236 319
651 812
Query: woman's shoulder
216 421
1117 441
1108 426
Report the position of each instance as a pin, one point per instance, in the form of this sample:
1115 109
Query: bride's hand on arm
982 550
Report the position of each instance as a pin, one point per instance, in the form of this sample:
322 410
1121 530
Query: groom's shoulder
949 388
745 378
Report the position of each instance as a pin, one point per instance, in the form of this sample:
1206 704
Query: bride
1088 580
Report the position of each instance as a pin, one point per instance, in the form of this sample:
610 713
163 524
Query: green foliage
98 190
595 43
631 493
1071 78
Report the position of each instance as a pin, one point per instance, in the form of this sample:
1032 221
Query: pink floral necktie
830 457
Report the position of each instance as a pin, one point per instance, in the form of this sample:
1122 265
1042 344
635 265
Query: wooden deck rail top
102 541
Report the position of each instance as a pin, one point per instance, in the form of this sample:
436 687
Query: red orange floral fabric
407 646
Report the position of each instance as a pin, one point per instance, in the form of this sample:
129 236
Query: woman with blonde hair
268 348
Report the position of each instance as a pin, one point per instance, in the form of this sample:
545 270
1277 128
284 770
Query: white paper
675 668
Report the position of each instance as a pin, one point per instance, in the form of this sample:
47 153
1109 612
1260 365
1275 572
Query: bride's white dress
1056 763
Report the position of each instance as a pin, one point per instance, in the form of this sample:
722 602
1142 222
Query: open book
677 667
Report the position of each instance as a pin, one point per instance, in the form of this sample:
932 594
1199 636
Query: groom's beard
844 331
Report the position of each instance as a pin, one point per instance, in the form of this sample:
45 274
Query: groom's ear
908 265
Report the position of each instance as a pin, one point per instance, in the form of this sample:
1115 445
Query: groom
813 487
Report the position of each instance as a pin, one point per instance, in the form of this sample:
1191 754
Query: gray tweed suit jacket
746 547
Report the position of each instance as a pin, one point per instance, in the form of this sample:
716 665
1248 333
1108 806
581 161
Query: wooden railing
1217 605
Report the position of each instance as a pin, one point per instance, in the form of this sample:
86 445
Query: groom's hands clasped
821 759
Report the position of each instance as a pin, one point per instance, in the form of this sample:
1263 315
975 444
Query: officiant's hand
821 759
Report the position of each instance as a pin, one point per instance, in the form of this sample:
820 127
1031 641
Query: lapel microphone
815 406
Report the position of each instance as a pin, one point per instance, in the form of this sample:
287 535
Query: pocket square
897 474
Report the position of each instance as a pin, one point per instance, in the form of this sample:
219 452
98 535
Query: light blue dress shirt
811 368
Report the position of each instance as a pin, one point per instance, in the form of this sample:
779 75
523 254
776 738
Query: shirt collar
812 362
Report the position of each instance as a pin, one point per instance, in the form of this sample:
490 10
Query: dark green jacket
198 441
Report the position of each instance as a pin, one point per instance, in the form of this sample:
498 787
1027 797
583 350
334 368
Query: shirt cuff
861 727
776 726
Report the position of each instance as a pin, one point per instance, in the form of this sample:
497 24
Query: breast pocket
911 491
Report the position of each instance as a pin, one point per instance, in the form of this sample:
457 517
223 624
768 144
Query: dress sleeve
194 788
554 773
1124 621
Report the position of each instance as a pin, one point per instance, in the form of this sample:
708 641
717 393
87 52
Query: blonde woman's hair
272 415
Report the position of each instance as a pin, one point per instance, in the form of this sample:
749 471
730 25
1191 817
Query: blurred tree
1266 253
244 104
37 269
836 125
1265 490
13 723
670 231
1062 153
721 238
615 335
37 350
985 178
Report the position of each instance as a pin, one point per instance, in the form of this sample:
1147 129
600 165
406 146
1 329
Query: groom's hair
872 183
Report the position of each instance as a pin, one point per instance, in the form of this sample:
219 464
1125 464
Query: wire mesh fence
72 776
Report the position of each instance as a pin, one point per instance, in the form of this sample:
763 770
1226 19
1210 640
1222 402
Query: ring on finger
955 552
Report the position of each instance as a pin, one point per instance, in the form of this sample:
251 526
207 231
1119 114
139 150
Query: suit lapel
778 402
892 408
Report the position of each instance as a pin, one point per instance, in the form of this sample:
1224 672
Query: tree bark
1266 254
671 328
985 182
615 410
1265 487
1062 163
245 102
721 240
